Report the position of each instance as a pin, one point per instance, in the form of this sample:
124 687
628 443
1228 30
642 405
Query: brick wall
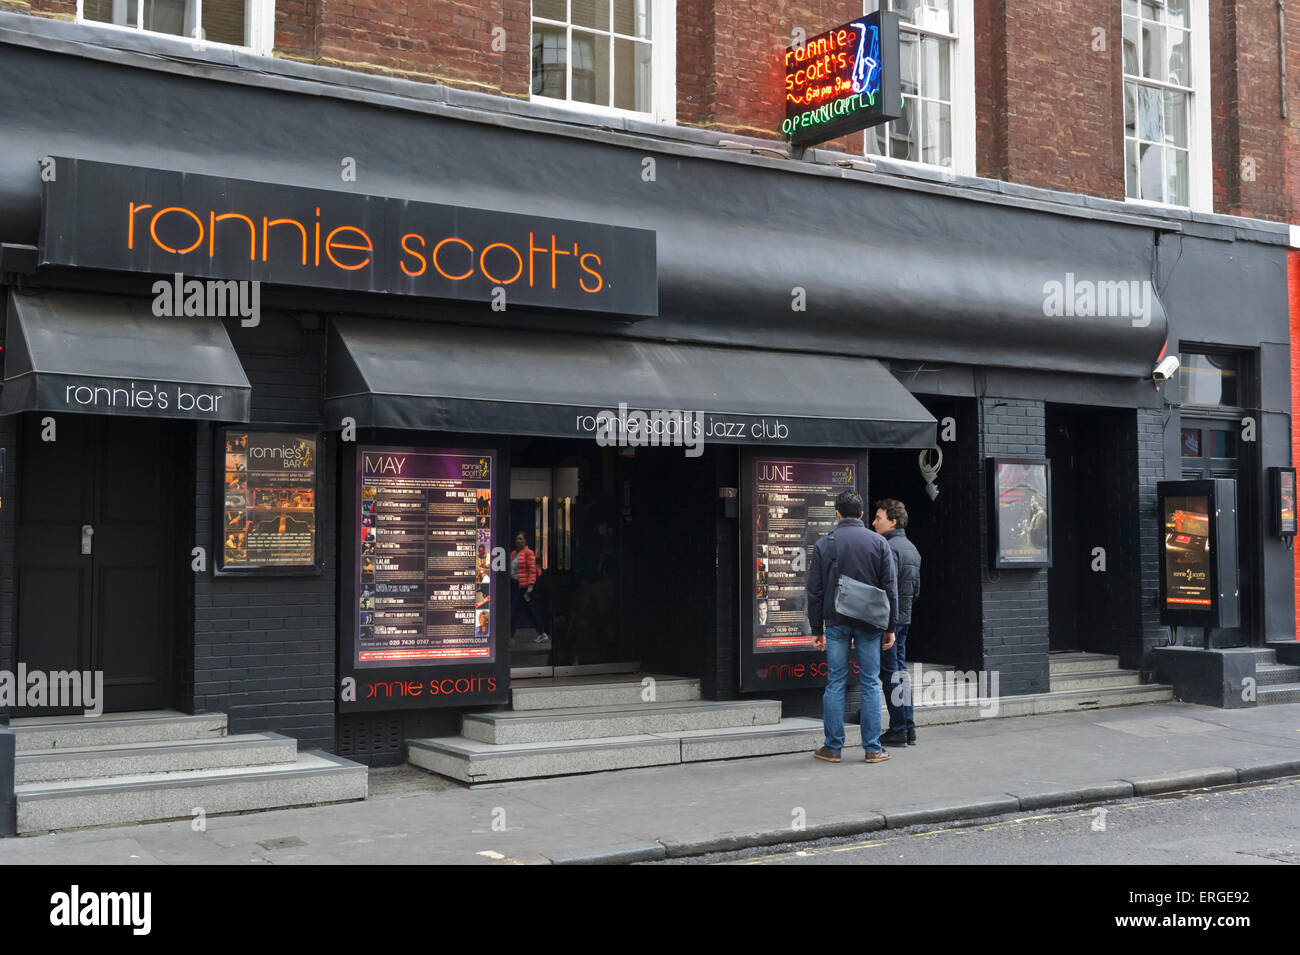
264 647
1014 601
1151 470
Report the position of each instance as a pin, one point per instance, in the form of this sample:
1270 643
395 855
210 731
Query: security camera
1166 369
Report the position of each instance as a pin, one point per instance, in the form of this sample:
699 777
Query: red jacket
527 566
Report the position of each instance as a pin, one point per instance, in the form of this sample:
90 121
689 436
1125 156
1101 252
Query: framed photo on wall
1020 519
267 489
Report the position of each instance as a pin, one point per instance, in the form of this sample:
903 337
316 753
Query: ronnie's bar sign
126 218
844 80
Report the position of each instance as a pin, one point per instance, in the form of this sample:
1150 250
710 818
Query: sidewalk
957 772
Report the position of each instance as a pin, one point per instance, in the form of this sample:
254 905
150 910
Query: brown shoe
827 754
877 755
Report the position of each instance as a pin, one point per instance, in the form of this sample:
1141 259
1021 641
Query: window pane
909 45
877 140
902 133
1176 119
1131 65
590 13
1191 442
1224 444
1177 176
1208 380
1176 13
632 75
1131 7
872 6
1131 170
937 139
590 67
1151 108
1180 45
108 11
632 17
548 61
1130 109
1154 66
1151 171
169 16
223 21
935 59
1153 9
551 9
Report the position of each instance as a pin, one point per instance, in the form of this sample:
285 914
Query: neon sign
843 80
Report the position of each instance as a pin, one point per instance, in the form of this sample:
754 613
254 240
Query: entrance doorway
97 561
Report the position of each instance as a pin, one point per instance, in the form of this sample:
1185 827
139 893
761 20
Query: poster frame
491 680
1282 528
996 560
219 568
1209 617
799 664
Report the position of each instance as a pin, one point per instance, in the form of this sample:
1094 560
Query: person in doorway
864 555
523 577
889 522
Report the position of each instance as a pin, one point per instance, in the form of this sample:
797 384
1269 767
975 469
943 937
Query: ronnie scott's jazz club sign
844 80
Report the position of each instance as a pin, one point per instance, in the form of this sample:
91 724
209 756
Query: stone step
149 726
472 761
1094 679
1036 704
1271 674
1282 693
1061 663
313 778
562 693
598 722
170 756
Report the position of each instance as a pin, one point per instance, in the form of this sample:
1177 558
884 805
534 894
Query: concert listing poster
424 533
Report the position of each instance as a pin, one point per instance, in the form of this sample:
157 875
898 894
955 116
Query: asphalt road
1238 825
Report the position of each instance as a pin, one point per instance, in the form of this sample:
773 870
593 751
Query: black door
107 486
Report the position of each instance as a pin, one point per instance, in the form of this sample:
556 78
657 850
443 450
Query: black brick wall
1014 601
1136 654
264 646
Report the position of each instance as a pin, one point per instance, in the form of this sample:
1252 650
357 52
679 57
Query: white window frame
962 73
663 67
261 26
1200 143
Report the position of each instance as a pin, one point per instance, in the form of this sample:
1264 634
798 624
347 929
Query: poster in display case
267 488
1284 511
1198 553
1020 496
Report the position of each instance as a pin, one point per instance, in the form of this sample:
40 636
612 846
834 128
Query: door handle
87 532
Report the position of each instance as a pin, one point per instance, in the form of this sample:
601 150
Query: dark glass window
1191 442
1210 380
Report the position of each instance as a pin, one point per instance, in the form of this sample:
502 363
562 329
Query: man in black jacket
864 555
890 519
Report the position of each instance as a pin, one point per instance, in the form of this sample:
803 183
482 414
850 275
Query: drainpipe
1281 60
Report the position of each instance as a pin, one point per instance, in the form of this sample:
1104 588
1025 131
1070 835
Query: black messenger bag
856 602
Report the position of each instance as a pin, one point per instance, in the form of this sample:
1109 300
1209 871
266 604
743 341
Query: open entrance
623 542
97 559
1093 586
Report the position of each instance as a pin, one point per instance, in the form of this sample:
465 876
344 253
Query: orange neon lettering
423 264
331 245
213 219
266 225
454 278
482 263
131 210
153 229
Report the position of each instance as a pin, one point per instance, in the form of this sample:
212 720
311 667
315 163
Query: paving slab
982 766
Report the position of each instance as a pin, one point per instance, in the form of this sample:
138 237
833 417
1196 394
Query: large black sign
127 218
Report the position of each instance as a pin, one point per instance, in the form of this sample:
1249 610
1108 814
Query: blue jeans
867 643
897 682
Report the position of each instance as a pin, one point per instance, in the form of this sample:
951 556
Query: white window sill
592 109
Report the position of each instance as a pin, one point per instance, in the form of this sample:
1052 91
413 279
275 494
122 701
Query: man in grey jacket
890 519
863 555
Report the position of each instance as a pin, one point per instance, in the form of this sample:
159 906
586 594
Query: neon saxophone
866 65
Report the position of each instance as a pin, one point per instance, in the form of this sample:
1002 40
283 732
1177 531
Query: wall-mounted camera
1165 369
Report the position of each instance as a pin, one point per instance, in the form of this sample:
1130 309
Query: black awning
390 374
102 354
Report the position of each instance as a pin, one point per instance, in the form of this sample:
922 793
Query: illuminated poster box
1198 553
843 80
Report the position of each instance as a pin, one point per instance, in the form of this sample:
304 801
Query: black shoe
911 737
894 738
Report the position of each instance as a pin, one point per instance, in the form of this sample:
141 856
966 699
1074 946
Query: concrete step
1094 679
1035 704
473 761
562 693
170 756
149 726
599 722
1282 693
1061 663
313 778
1271 674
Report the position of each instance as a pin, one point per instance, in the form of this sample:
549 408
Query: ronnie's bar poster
425 538
794 505
1187 553
268 500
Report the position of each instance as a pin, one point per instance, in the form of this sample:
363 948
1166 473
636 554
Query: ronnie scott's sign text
126 218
